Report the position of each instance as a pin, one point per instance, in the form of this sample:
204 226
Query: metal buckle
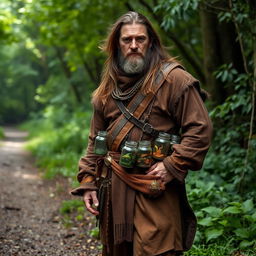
107 160
148 128
155 186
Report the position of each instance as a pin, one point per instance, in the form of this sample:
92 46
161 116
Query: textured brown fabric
158 228
124 197
177 107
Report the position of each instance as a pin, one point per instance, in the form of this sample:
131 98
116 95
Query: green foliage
58 139
224 204
69 206
220 212
223 196
235 220
18 77
233 119
175 11
95 232
6 21
220 249
1 133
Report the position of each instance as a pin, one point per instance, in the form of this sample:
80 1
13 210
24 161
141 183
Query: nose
134 44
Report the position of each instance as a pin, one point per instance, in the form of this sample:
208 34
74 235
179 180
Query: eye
126 40
140 39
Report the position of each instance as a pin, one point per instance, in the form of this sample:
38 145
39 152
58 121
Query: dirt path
30 223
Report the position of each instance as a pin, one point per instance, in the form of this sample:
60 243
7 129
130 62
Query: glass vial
161 146
175 140
144 154
100 144
128 154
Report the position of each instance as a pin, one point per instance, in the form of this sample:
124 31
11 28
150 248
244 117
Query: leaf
246 244
247 206
242 233
213 211
213 234
205 221
232 209
254 217
223 223
224 76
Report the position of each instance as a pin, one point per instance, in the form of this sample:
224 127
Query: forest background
50 63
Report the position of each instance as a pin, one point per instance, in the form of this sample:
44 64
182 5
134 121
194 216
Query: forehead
133 30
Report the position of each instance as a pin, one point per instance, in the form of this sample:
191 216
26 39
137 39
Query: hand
159 170
90 200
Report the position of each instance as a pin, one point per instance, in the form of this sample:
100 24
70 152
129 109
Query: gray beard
131 65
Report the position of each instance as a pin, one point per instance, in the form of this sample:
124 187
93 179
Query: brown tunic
167 222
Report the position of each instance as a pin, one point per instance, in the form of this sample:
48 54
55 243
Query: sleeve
87 163
196 132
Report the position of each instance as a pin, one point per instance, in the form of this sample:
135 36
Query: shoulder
178 80
97 104
180 77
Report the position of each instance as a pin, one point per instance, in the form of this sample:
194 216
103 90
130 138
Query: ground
30 222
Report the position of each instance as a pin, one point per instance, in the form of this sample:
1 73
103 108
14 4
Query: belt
147 184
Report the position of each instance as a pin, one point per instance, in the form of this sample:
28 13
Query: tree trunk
220 46
212 54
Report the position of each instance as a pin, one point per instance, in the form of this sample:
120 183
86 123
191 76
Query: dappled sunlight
10 145
13 140
13 134
26 176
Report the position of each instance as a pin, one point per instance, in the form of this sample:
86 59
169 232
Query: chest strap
145 127
135 109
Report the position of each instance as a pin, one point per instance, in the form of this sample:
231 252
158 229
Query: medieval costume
132 222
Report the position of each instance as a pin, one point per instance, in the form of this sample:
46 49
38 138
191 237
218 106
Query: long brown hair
111 45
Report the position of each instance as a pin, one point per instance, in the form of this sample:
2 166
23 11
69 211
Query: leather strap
121 121
136 108
125 126
145 127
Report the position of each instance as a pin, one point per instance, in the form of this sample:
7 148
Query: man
143 211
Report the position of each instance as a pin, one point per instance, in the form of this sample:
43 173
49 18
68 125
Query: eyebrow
137 37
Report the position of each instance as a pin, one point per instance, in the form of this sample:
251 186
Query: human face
133 40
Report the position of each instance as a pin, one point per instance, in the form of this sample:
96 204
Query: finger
152 168
87 203
89 207
95 199
155 173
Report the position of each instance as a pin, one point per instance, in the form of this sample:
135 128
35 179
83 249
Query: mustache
134 53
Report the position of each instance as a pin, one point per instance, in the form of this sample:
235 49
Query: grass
218 249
